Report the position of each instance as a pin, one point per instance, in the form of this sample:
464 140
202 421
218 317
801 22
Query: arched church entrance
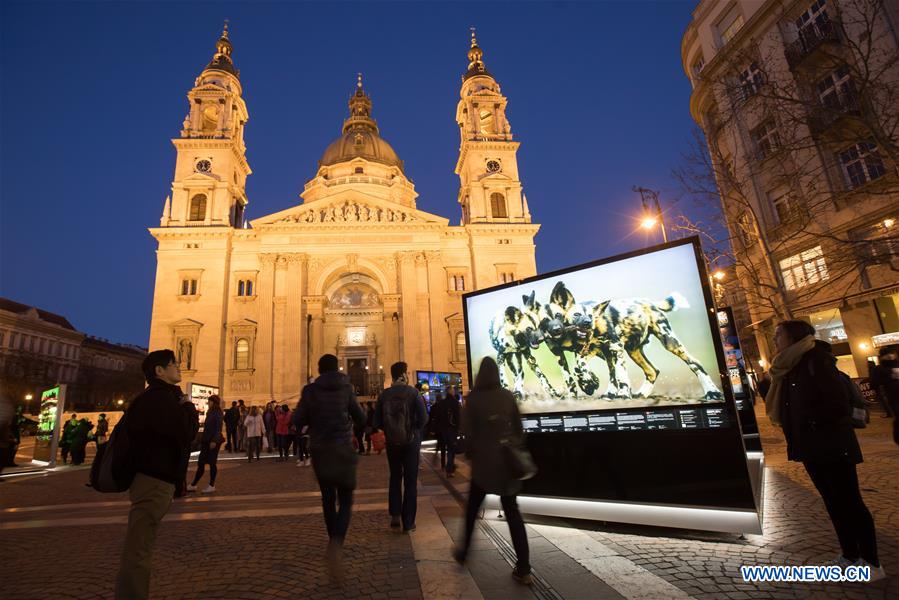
354 320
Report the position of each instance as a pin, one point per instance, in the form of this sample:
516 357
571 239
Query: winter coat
326 406
159 431
446 413
416 407
255 426
212 428
816 411
885 379
486 419
282 422
268 417
232 416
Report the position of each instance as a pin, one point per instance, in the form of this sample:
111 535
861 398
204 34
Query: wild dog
514 335
624 326
566 326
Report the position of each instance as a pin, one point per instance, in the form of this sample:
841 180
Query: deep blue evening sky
92 93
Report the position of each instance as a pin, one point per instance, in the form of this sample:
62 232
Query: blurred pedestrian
79 439
210 444
369 424
329 408
809 401
282 431
401 413
885 381
232 416
491 421
158 430
255 430
7 418
447 413
241 428
65 437
269 420
101 435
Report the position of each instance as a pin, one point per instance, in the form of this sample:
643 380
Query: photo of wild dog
625 326
565 327
514 335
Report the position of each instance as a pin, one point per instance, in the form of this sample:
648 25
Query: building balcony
810 40
829 115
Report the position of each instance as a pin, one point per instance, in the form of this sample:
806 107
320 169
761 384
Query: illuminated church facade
355 269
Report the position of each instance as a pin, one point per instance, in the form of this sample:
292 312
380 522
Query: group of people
76 433
162 423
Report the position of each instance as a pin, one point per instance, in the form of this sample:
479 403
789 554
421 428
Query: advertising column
46 441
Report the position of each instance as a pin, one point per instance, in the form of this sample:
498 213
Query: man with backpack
401 413
158 432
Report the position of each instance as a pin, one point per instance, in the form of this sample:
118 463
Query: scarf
782 364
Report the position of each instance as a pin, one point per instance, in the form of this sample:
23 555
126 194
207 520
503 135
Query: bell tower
490 190
211 169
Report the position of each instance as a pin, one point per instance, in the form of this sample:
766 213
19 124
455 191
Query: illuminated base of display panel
703 519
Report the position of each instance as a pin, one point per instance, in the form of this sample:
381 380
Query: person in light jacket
490 415
255 430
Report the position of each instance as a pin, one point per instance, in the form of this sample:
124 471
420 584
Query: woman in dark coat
210 444
490 415
808 398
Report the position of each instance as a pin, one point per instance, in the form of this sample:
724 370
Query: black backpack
397 419
113 468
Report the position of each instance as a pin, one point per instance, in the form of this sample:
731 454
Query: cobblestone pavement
261 535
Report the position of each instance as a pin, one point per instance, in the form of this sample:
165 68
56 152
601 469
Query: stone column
389 351
315 307
265 289
424 355
292 350
408 349
436 295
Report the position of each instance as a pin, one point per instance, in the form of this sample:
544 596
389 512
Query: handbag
518 460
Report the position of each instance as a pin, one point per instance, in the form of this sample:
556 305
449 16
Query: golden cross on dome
359 80
225 30
474 42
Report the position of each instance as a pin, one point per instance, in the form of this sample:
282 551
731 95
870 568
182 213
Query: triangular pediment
351 207
200 178
187 323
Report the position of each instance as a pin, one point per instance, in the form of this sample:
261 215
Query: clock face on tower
204 166
493 166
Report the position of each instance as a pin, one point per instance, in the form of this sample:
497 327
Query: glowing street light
28 396
120 402
719 275
888 223
652 211
648 223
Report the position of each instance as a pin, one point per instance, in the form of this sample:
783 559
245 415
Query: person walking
885 381
210 443
269 420
255 430
101 435
401 413
79 439
232 416
158 430
490 419
369 425
282 431
328 407
65 437
810 402
241 428
447 413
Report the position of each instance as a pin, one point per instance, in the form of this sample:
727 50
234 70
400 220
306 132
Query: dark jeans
284 445
513 518
360 441
254 446
337 519
270 438
449 442
231 443
208 456
837 482
403 496
302 444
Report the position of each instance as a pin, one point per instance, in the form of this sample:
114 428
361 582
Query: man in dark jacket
885 381
158 431
401 413
446 412
327 406
232 418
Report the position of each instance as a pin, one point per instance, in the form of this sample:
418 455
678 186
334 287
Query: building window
457 283
805 268
197 208
751 80
507 277
2 338
782 205
698 65
765 139
835 90
242 354
861 163
814 17
730 25
498 206
358 170
460 346
245 287
828 326
188 287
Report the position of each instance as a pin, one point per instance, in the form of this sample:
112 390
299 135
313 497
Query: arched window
249 289
242 354
498 205
460 346
197 208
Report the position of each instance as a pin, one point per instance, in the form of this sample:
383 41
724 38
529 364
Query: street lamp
652 211
719 275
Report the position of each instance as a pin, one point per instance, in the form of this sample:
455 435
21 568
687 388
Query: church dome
360 143
361 137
